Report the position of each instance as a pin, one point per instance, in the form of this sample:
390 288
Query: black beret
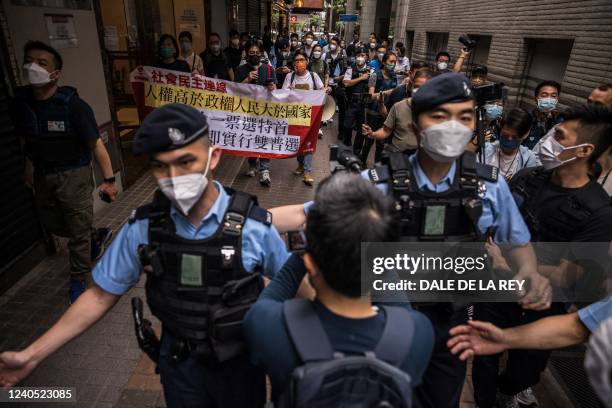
169 127
444 88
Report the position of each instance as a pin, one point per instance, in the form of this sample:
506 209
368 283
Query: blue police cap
445 88
169 127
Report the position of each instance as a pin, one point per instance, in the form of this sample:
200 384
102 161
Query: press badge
191 270
56 126
434 220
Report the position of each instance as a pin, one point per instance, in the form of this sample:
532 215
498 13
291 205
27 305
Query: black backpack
331 379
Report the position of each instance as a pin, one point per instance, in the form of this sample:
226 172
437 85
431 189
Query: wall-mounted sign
61 31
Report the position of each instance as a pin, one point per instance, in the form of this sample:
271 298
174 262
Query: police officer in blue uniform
61 138
479 205
357 97
204 249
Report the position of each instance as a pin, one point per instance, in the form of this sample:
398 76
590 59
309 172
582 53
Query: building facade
521 42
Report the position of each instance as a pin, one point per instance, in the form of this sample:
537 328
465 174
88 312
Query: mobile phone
296 241
105 197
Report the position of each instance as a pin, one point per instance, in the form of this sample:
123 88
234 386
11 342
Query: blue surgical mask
167 52
547 104
509 144
494 111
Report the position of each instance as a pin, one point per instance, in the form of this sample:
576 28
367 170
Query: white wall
82 66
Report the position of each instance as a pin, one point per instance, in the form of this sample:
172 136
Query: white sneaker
320 134
506 401
265 179
252 171
526 397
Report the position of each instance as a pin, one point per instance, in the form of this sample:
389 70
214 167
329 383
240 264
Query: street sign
293 19
348 18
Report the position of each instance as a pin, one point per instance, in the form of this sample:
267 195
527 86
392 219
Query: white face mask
316 54
360 60
446 141
309 42
184 191
332 47
442 66
550 150
35 75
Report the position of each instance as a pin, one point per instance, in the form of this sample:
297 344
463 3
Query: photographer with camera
357 95
339 319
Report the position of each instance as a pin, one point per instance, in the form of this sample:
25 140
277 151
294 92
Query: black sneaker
99 242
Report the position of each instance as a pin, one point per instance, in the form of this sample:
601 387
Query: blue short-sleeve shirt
120 267
596 313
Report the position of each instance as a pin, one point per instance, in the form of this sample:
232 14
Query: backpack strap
396 340
306 331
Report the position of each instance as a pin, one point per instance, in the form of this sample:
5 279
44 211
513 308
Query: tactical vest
333 63
553 226
451 215
199 288
361 87
51 140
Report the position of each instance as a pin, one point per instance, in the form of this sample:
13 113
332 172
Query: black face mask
254 60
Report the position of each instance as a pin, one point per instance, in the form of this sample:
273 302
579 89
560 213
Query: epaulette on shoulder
141 213
261 215
487 172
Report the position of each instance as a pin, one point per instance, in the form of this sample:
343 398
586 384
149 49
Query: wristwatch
109 180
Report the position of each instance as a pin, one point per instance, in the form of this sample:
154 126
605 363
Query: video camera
343 159
488 92
467 42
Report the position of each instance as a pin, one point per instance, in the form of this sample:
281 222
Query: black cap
169 127
479 69
444 88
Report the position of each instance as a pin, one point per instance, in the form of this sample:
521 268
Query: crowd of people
237 305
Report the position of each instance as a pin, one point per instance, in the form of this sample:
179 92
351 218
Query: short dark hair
254 43
294 35
163 38
604 87
374 34
41 46
309 33
335 244
379 46
336 39
594 127
185 34
233 33
244 34
418 65
360 50
302 53
442 54
479 69
214 35
387 55
424 72
518 119
399 44
542 84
